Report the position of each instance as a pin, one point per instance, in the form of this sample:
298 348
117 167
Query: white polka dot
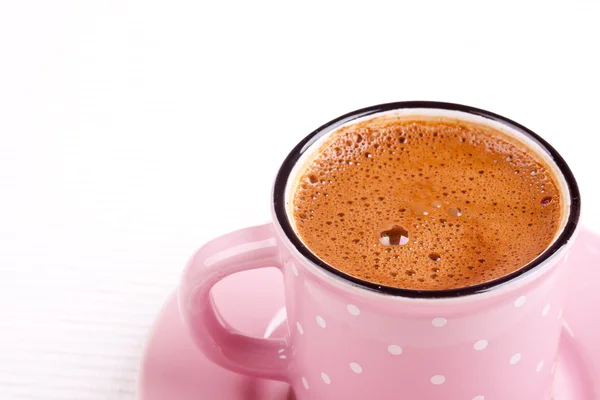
305 383
294 269
352 309
520 301
478 398
546 310
325 378
540 366
321 321
394 349
438 379
480 345
515 359
300 329
439 322
355 367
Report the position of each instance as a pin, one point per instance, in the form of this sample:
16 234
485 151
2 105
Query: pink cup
350 339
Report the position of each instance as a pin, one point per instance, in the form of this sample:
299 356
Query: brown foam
474 203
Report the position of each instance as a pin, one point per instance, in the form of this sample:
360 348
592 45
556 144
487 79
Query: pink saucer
173 369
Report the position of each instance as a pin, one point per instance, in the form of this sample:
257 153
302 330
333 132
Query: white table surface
132 131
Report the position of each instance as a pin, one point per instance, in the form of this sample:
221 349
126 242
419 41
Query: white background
133 131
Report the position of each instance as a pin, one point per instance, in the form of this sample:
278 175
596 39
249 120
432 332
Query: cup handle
242 250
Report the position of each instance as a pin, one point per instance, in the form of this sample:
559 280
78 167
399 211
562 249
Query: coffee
424 202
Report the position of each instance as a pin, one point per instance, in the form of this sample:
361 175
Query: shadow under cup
294 164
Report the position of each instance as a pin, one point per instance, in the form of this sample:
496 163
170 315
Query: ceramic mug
352 339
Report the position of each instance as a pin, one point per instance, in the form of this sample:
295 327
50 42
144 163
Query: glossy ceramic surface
174 369
348 338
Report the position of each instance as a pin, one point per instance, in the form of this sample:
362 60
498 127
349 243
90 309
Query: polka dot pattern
520 302
353 310
394 349
546 310
439 322
305 383
321 321
356 367
480 345
515 359
540 366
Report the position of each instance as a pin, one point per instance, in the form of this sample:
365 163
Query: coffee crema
422 202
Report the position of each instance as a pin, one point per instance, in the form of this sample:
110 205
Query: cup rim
281 215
